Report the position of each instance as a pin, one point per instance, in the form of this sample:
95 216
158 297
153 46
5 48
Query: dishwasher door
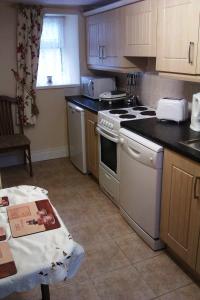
76 130
140 185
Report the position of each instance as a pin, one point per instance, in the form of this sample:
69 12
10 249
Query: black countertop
167 134
95 105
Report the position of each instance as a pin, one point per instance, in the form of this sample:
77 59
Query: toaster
174 109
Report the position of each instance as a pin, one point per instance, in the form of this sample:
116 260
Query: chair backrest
6 116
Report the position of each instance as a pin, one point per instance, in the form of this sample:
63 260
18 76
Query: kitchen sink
193 144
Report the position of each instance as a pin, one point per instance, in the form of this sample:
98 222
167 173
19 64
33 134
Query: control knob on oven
111 126
121 140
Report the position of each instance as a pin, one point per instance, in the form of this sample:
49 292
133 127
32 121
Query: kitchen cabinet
198 260
93 43
177 36
105 41
180 213
92 143
140 21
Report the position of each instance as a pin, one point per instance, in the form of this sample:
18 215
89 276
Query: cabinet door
198 259
177 36
93 43
140 28
180 217
92 144
0 182
110 37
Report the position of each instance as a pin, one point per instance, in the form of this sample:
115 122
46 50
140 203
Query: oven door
109 151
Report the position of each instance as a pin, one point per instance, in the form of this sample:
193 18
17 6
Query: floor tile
73 215
75 291
189 292
122 284
89 233
115 226
30 295
162 274
103 209
104 257
118 265
135 248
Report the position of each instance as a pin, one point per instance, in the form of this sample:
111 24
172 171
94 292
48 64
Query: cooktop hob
140 108
127 116
110 119
148 113
118 111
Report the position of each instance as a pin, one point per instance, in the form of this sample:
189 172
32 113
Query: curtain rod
23 5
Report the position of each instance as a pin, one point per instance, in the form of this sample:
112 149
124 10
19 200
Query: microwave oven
92 86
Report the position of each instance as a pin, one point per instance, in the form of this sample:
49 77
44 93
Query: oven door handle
107 136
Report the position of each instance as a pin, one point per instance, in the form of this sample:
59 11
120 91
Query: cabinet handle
99 51
103 52
196 195
95 128
190 56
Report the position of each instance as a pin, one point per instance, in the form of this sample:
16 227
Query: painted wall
151 87
50 133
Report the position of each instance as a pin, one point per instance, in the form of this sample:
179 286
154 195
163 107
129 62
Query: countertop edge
194 155
78 103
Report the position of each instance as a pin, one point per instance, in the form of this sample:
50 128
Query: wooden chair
9 140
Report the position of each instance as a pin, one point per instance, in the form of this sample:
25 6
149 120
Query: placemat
7 264
32 217
4 201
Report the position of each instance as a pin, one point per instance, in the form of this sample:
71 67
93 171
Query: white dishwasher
140 185
76 130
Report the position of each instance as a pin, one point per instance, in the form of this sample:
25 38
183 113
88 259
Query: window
59 51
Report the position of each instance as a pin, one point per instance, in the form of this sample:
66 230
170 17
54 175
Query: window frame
70 85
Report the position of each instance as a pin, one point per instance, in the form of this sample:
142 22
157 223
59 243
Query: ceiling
82 3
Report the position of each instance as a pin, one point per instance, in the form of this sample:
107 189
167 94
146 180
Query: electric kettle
195 116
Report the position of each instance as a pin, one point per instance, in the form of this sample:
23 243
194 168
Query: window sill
46 87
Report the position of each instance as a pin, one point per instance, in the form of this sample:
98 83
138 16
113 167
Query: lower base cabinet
92 144
180 213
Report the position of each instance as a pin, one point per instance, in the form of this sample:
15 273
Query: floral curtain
29 29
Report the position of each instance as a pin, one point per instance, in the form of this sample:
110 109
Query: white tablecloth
42 258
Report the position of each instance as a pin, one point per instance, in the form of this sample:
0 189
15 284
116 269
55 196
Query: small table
42 258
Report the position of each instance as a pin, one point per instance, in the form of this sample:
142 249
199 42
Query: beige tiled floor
118 264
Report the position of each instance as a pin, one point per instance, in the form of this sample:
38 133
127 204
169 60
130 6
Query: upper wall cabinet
105 40
93 45
140 28
177 36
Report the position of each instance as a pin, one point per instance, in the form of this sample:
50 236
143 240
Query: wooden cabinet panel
177 36
180 202
105 41
92 144
198 260
140 28
93 45
0 182
110 38
180 217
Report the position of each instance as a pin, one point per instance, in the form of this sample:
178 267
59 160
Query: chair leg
30 162
45 292
25 157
